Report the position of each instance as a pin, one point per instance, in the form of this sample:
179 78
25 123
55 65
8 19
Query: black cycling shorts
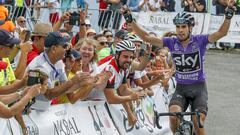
194 94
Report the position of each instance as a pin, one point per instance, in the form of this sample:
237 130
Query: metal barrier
100 19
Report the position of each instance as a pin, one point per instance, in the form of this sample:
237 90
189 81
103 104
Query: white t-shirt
137 75
56 73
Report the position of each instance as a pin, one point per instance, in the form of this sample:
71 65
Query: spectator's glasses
103 43
88 25
22 21
107 36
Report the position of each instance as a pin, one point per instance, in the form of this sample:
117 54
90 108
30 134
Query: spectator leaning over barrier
189 76
117 90
194 5
8 92
38 37
50 62
87 48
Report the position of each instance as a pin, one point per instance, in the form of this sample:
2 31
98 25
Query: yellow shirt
63 99
7 76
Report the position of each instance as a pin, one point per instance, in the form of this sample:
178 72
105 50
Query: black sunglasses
103 43
107 36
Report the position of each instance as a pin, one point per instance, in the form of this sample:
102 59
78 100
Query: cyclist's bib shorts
196 94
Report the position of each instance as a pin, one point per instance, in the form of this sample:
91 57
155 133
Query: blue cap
55 38
76 54
7 39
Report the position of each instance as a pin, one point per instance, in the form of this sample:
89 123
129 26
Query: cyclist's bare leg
174 120
199 131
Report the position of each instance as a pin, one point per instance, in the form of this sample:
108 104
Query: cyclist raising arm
188 53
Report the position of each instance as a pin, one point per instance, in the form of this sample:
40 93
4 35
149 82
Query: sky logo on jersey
187 63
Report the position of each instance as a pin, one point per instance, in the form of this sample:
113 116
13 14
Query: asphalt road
223 81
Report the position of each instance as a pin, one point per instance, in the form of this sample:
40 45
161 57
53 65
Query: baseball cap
76 54
55 38
7 39
3 65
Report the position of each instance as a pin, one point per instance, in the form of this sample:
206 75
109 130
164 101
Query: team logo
187 63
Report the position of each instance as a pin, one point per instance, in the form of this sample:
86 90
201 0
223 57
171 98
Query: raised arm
140 31
223 30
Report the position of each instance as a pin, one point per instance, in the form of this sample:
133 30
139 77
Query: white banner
233 35
162 22
145 115
85 118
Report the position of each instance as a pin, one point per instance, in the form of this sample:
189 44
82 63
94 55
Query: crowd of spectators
69 63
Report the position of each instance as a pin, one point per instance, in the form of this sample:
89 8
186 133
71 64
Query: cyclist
188 53
117 90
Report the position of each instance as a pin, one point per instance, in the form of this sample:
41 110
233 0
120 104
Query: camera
74 19
35 77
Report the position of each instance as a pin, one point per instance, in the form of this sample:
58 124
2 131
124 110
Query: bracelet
20 94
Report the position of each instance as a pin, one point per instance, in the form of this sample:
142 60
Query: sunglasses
88 25
107 36
103 43
23 21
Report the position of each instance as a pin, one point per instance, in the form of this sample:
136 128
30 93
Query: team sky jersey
118 76
189 61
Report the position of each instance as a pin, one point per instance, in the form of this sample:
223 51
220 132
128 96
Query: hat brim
13 41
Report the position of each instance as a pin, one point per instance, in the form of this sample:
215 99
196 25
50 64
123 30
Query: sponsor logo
187 63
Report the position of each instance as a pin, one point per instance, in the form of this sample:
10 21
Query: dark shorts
194 94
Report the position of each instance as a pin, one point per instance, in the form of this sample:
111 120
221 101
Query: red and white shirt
118 76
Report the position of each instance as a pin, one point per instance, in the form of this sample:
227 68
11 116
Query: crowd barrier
94 118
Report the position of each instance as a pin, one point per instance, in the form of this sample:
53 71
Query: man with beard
188 52
117 91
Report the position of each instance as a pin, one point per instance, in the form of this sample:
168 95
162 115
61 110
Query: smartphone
74 19
27 35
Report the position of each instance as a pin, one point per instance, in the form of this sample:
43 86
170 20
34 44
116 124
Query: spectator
53 6
102 48
144 5
65 5
109 35
20 25
5 22
167 5
38 37
50 62
133 5
194 5
67 28
91 33
87 48
117 91
154 5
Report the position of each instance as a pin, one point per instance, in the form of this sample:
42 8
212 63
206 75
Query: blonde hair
88 41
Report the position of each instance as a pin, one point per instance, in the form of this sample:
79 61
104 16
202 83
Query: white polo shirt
56 74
